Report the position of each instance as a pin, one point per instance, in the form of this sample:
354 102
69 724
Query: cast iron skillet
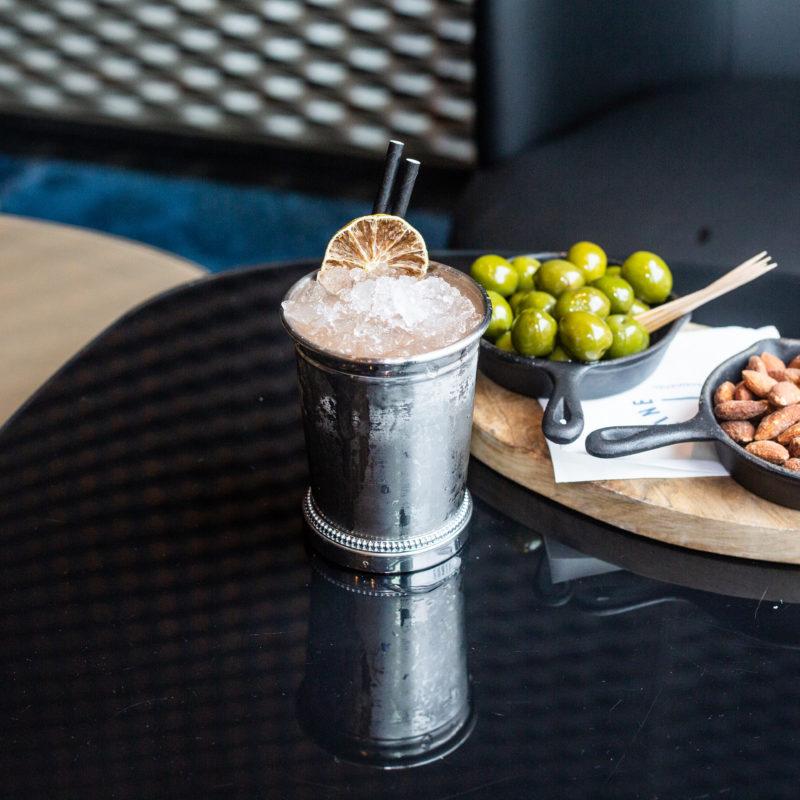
567 383
756 475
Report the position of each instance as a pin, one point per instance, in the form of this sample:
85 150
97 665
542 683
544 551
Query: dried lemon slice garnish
378 241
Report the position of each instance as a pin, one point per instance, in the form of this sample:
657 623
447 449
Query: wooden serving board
714 515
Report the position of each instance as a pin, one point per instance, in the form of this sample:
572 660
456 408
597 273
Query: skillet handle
625 440
562 421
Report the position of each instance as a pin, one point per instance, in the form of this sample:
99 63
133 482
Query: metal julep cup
388 447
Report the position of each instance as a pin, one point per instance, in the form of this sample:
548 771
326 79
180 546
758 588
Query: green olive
557 275
534 333
591 258
618 291
504 342
587 298
536 299
526 267
502 316
638 307
630 336
496 274
585 336
559 354
613 269
649 275
515 300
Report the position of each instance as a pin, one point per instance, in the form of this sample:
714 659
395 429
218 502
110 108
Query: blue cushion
214 224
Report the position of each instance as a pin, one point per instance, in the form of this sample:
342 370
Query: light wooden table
61 286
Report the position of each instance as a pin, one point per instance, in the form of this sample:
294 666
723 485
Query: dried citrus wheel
378 240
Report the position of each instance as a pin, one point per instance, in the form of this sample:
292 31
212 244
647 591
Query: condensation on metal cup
386 681
388 447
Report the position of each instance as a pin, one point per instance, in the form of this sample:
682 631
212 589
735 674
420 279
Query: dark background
512 106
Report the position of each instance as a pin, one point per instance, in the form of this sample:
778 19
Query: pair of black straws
388 200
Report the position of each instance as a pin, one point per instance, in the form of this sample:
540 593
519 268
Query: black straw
390 164
408 175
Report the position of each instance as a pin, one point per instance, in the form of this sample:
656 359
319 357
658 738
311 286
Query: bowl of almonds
750 408
761 411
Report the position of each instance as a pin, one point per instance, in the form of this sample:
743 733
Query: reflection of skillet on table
530 515
605 590
774 622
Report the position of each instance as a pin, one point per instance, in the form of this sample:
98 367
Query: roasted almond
741 392
789 374
784 393
789 434
794 447
795 362
756 363
740 430
792 463
771 361
770 451
777 422
741 409
759 383
724 393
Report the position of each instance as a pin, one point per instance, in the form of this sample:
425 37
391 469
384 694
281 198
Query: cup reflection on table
386 681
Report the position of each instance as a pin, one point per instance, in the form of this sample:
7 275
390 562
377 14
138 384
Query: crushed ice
380 315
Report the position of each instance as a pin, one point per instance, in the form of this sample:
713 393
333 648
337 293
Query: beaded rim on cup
389 554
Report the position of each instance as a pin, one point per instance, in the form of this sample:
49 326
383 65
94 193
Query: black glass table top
166 632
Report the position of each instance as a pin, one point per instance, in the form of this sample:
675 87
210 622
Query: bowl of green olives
564 327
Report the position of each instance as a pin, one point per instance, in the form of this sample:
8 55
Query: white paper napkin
670 394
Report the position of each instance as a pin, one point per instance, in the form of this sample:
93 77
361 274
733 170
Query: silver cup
386 681
388 447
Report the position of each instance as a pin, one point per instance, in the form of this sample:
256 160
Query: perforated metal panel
329 75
